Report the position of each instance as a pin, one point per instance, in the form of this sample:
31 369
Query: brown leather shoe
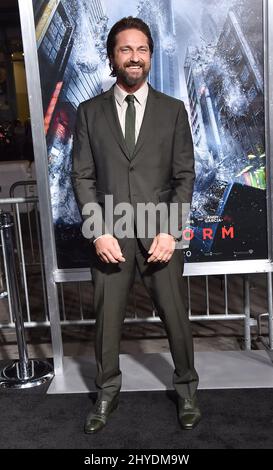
189 413
97 418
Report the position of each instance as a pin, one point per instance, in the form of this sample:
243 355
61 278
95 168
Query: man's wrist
108 235
170 234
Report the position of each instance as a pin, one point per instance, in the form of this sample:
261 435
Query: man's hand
162 248
108 249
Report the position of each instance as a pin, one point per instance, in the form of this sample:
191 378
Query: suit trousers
163 281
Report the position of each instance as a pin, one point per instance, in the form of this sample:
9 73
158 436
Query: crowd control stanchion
24 372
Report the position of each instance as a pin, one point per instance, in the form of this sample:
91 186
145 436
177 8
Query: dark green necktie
130 124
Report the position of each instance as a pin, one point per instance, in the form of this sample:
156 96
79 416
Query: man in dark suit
134 144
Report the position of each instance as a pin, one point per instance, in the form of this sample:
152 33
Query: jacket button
131 169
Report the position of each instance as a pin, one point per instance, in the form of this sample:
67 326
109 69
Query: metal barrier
25 372
36 258
30 255
136 317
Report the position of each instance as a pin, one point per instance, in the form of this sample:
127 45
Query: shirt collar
141 94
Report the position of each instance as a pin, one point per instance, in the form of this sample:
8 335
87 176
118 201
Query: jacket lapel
110 110
148 120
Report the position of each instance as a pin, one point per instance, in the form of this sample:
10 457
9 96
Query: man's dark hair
128 22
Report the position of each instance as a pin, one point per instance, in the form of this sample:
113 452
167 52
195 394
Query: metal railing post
24 372
270 310
247 322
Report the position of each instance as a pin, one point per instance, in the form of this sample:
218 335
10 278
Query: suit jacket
160 170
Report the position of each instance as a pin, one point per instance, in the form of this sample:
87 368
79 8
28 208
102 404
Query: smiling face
132 58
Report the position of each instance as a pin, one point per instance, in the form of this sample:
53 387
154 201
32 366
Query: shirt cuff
165 233
104 235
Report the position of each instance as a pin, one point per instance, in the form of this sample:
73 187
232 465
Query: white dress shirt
140 103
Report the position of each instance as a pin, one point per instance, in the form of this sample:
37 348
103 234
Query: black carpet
232 419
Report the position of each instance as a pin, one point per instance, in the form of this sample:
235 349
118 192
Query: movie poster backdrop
207 53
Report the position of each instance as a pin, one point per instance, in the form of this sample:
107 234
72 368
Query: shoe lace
188 403
101 406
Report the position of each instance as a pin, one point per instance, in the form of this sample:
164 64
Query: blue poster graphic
207 53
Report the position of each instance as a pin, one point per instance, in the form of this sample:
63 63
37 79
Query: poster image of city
209 54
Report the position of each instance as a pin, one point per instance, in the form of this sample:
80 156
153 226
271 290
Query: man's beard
131 81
